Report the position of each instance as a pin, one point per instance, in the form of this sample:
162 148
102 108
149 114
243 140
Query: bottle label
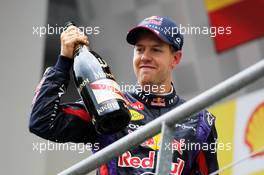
106 89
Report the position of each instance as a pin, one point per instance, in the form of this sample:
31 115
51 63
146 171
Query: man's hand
70 39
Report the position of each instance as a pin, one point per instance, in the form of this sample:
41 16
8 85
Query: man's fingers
85 40
77 40
72 33
70 38
73 30
80 40
70 28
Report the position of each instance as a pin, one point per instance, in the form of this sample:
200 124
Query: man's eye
157 50
139 49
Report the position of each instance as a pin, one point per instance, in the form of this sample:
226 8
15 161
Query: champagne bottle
99 91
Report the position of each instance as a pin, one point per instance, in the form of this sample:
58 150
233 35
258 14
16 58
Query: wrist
66 55
64 63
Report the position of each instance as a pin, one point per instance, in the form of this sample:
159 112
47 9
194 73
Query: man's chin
146 78
146 81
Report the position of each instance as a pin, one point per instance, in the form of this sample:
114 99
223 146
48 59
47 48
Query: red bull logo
152 20
127 160
154 143
137 105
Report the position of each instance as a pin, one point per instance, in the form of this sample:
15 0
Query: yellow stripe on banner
225 122
213 5
258 173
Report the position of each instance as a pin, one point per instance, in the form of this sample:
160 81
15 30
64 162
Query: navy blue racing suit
70 122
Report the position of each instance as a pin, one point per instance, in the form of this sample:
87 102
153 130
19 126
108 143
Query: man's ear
176 58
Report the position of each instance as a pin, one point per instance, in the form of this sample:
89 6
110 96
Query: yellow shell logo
255 129
136 115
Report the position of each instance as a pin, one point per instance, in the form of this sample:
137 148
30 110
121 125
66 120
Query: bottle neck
79 47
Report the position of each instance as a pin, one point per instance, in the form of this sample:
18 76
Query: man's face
154 60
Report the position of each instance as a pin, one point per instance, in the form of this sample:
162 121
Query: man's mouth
147 67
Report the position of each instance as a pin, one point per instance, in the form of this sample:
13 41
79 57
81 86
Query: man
157 53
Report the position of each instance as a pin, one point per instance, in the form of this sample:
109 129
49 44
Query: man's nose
146 56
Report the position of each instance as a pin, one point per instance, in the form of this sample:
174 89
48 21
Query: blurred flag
245 17
240 123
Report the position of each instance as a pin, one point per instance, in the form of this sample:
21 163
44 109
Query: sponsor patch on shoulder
209 118
137 105
136 115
